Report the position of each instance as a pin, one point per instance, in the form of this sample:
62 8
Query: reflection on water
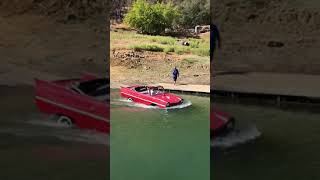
288 148
160 144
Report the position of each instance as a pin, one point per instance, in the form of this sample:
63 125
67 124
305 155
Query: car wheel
65 121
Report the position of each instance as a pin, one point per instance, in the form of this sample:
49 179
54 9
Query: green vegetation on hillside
167 44
153 18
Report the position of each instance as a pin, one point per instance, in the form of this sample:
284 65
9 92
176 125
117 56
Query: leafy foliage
150 18
194 12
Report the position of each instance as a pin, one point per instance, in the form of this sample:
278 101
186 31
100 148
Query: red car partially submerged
220 122
82 102
151 96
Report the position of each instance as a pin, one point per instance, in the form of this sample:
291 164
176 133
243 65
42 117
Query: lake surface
287 148
148 143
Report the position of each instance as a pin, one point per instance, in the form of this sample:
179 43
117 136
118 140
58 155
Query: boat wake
125 102
237 137
43 126
185 104
46 120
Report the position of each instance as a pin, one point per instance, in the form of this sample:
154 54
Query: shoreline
280 87
202 90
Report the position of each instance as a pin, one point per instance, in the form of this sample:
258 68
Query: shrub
194 12
151 19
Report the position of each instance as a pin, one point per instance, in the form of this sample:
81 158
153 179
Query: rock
186 43
146 67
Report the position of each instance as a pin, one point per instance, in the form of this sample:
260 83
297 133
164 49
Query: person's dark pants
175 78
212 53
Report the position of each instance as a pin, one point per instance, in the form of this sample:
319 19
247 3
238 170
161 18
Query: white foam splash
126 102
237 137
185 104
46 126
45 120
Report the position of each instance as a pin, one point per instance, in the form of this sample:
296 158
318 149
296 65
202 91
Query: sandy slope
156 68
272 36
39 43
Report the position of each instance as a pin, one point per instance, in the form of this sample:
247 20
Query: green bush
194 12
151 19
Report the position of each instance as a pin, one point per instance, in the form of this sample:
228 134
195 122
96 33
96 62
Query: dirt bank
41 42
129 66
268 36
63 10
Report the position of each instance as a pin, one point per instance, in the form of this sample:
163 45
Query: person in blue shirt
214 39
175 75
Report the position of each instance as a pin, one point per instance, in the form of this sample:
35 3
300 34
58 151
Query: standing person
214 37
175 74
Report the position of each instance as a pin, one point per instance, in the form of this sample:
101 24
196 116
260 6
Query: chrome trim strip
73 109
224 119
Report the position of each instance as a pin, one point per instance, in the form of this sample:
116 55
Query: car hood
168 97
218 119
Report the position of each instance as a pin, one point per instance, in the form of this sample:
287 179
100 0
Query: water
240 135
34 146
288 147
148 143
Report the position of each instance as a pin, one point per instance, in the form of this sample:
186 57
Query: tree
194 12
151 18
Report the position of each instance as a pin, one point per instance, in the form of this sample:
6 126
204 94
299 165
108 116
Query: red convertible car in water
151 96
220 122
82 102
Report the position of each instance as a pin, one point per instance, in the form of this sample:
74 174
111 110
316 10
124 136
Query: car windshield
98 88
150 90
156 90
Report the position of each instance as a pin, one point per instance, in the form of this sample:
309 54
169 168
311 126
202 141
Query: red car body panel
161 100
219 121
57 97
